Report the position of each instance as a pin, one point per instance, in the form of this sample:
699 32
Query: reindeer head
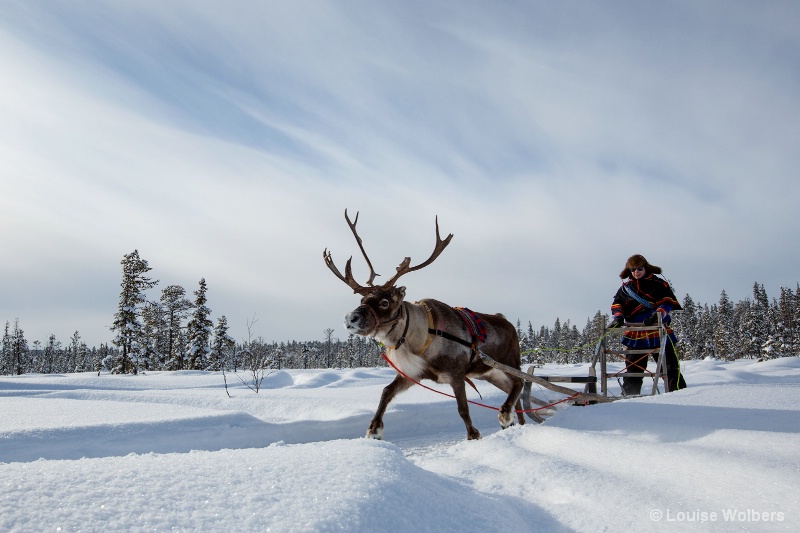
381 304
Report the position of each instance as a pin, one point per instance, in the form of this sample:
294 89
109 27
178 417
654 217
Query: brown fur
383 315
635 261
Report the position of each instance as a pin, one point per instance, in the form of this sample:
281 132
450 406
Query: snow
170 451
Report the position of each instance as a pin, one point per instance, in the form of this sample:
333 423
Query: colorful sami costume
635 301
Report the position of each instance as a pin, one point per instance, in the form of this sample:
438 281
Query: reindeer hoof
505 419
376 434
473 434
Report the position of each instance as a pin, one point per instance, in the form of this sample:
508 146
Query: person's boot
631 386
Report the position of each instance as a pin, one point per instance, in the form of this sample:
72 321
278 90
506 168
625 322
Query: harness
475 326
378 322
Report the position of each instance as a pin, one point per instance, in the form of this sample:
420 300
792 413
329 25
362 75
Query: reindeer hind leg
513 387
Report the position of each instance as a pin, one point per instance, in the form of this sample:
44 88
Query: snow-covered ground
170 451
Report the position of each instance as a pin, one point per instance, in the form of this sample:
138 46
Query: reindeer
429 339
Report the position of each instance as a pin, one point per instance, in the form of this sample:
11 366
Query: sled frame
539 410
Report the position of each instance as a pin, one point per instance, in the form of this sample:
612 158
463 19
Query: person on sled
643 294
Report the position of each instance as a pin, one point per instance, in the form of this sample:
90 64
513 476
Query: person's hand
651 320
617 322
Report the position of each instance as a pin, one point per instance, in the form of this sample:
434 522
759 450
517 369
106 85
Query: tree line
754 328
175 332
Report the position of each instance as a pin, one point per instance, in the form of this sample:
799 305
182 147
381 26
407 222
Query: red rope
471 401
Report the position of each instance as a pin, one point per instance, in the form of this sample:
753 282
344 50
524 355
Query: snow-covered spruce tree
771 348
126 320
153 335
355 352
686 329
741 314
526 340
707 316
36 358
223 344
786 320
19 350
795 319
81 354
757 325
5 355
723 328
276 358
176 308
51 355
302 356
199 330
102 358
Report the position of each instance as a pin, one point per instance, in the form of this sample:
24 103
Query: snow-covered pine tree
154 355
686 330
768 350
723 328
176 308
199 331
103 359
126 320
355 353
6 365
81 353
757 323
51 355
303 355
223 344
786 315
707 316
773 346
796 320
19 350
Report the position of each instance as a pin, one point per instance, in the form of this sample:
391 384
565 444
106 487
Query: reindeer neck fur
408 331
407 339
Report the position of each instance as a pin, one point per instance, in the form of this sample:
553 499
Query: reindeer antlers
402 269
404 266
348 270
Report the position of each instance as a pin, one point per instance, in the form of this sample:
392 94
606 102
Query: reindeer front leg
375 430
460 392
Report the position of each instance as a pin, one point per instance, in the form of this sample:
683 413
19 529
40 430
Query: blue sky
554 139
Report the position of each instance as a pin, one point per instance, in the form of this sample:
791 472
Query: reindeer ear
401 292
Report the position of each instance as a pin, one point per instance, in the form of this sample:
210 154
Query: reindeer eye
384 304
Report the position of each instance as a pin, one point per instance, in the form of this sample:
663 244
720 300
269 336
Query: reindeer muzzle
361 321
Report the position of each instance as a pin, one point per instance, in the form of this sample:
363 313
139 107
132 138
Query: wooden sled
539 410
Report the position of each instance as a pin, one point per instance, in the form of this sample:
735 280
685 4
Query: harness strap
439 333
402 338
429 340
445 335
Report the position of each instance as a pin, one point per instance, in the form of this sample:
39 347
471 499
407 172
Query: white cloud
552 140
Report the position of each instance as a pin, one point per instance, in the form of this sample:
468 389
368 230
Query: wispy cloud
553 140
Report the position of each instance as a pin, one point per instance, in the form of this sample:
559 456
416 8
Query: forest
175 332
